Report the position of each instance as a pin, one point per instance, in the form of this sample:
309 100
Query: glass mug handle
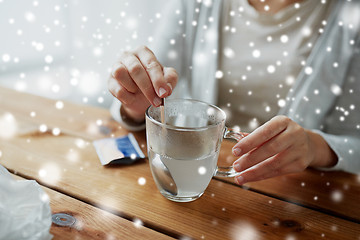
229 171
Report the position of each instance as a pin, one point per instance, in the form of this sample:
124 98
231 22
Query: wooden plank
223 212
79 120
337 193
92 222
334 192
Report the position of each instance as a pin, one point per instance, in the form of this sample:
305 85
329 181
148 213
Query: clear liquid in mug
191 176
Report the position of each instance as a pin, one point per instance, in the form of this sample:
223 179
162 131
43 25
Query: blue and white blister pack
121 150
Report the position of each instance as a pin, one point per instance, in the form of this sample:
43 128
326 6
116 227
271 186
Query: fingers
140 71
154 70
120 92
121 74
270 148
139 75
286 152
280 164
262 134
171 78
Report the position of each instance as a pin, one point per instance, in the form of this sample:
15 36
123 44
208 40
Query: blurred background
65 49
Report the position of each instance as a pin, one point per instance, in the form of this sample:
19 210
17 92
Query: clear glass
183 151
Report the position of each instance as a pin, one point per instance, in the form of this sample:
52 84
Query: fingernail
236 151
169 86
237 167
239 180
157 101
162 92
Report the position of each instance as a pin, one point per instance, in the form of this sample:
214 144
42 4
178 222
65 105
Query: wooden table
109 202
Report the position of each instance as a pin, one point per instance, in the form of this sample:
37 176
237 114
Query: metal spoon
159 169
163 176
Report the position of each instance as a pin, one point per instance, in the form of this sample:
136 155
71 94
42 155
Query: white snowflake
308 70
244 231
56 131
306 31
44 197
290 80
271 69
172 54
50 173
254 123
55 88
29 16
284 38
290 237
59 105
43 128
73 156
8 126
337 196
281 103
20 86
100 100
141 181
202 170
229 53
336 89
256 53
6 57
49 59
138 223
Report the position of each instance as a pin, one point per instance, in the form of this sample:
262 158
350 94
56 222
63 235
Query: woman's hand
138 80
278 147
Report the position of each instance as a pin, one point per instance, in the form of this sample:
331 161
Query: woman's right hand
139 80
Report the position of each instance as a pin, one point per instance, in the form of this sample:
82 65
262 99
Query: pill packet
123 150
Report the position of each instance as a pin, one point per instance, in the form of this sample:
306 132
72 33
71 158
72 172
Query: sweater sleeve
342 125
115 113
347 149
169 38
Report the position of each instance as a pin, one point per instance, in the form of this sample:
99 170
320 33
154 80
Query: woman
293 65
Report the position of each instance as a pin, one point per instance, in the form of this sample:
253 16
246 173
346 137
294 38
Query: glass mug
183 152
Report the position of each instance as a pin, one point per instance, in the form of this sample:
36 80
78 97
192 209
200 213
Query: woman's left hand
278 147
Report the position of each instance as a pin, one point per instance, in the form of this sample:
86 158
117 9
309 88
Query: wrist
131 117
323 155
